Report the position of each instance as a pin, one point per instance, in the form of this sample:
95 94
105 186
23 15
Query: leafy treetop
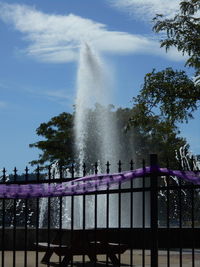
171 92
58 140
183 32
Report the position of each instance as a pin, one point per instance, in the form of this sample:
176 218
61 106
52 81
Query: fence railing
150 221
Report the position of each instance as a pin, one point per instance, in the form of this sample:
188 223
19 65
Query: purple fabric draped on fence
89 183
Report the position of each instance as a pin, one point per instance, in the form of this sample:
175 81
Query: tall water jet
94 86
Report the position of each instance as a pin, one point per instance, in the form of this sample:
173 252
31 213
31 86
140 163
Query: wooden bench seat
80 245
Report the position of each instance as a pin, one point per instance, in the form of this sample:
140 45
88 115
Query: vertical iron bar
154 212
60 214
3 224
119 209
95 214
49 216
72 213
25 223
107 206
192 217
193 235
131 215
168 217
143 215
14 222
37 220
84 208
180 222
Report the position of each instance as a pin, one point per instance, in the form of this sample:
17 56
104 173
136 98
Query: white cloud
147 9
57 94
62 97
2 104
57 38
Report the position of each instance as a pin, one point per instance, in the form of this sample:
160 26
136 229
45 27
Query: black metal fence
151 221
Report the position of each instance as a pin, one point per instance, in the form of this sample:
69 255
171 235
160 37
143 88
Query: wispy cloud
59 94
147 9
2 104
57 38
62 97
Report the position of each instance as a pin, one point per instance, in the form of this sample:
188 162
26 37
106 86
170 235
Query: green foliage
183 32
169 94
149 135
58 140
166 98
154 135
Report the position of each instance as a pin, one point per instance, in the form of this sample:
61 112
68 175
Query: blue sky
39 51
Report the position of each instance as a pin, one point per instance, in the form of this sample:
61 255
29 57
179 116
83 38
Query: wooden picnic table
69 243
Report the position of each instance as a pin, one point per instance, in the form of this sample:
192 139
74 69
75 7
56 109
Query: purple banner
89 183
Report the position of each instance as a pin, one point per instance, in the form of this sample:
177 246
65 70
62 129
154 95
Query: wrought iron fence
149 221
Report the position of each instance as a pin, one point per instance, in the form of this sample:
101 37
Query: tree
170 94
58 140
133 142
183 32
166 98
154 135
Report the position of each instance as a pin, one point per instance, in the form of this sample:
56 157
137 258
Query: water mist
94 86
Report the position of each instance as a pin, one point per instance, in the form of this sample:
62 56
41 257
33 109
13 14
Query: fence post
154 212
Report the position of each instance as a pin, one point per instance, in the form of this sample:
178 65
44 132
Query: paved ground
125 259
